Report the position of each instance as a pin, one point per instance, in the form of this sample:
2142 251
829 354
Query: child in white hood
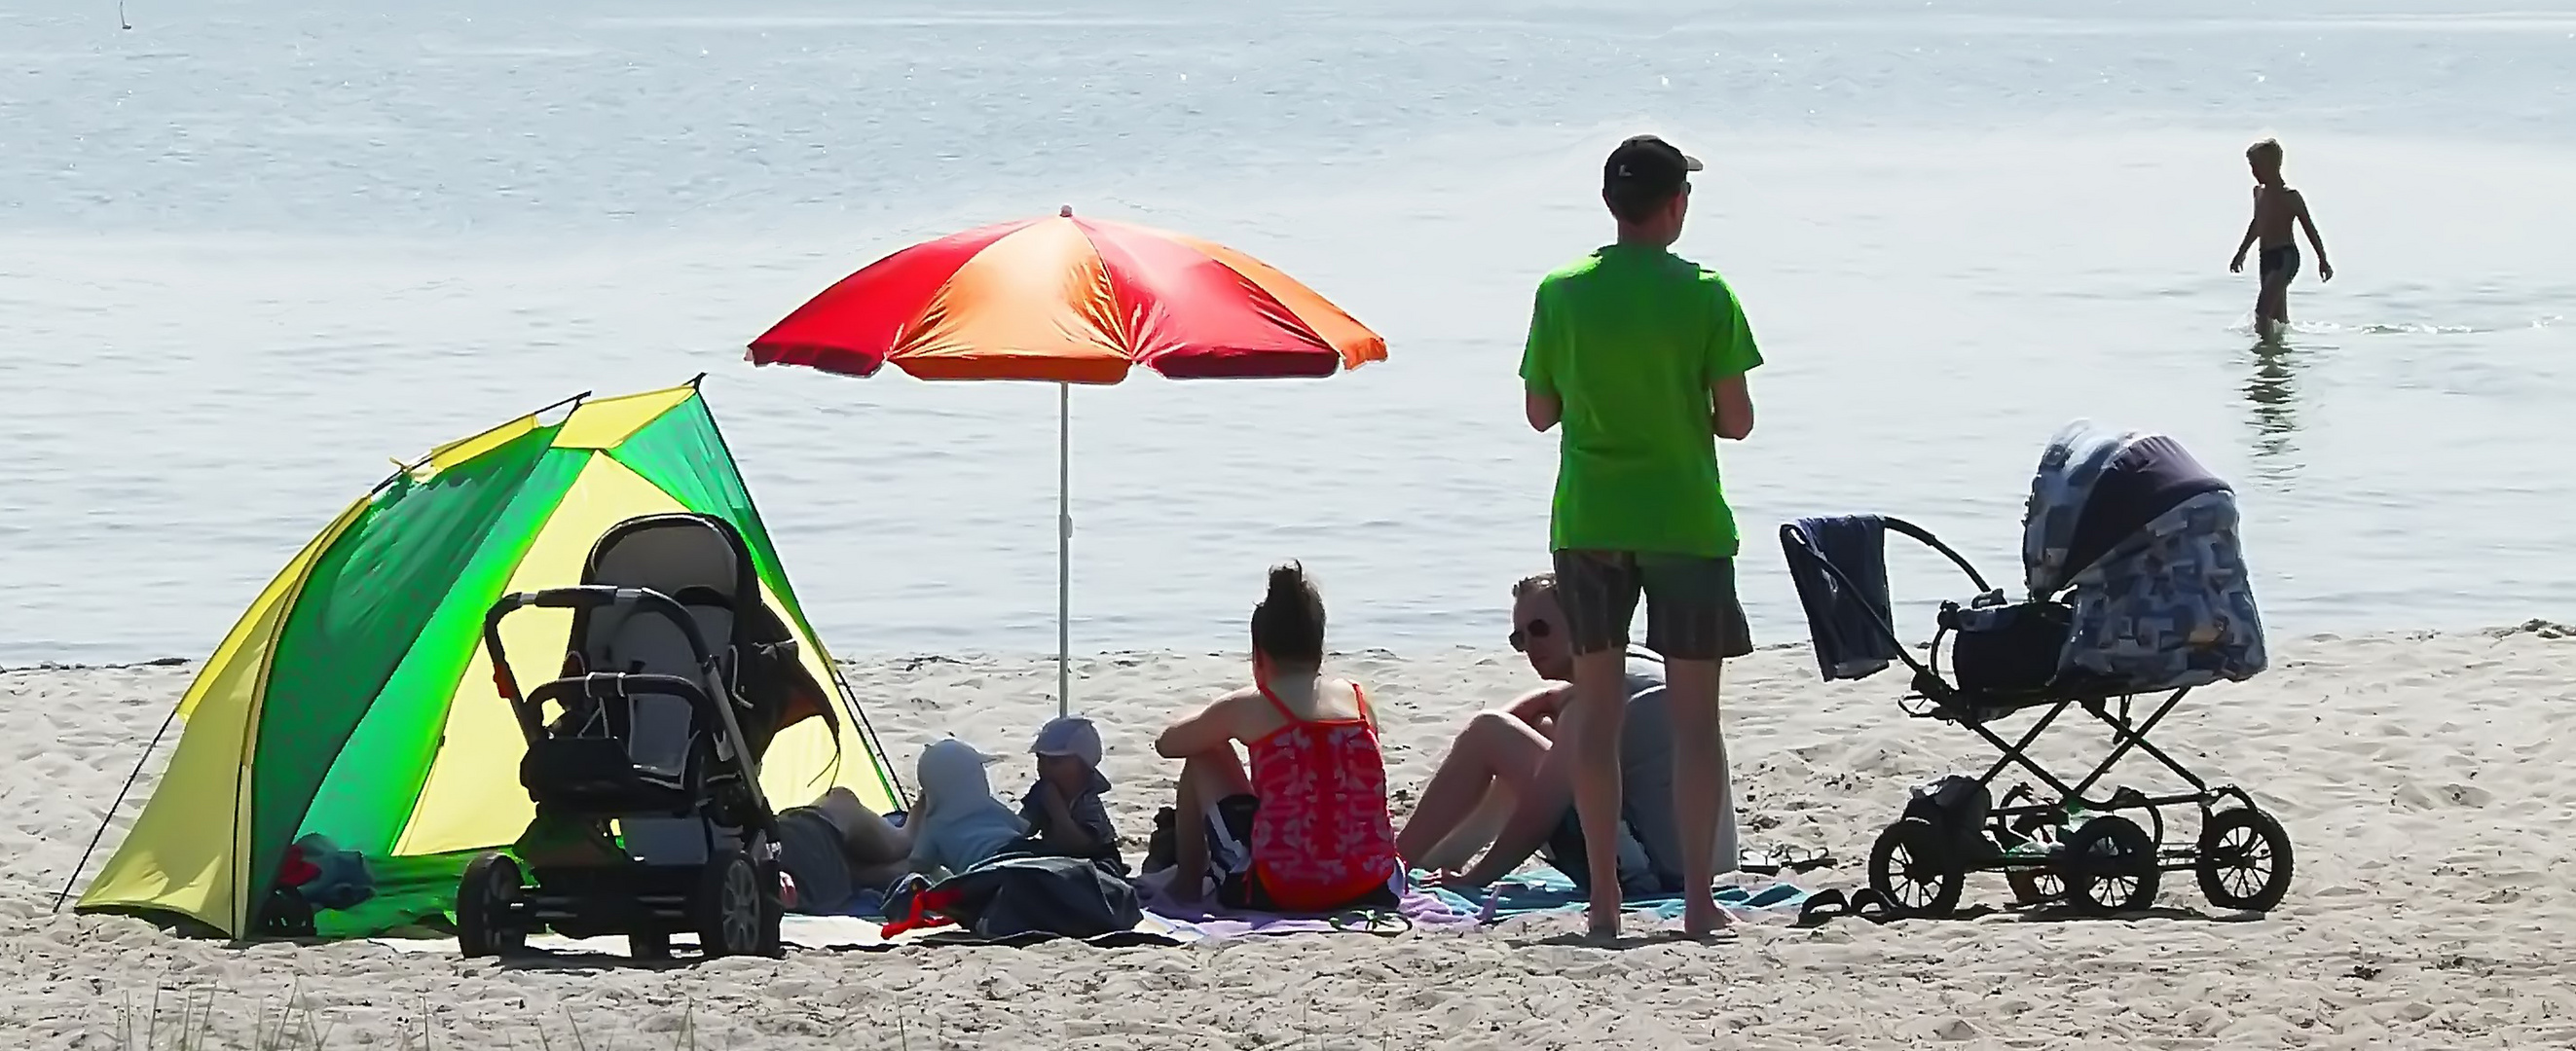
956 823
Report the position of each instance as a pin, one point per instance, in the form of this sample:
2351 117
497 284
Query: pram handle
579 597
1927 681
1919 533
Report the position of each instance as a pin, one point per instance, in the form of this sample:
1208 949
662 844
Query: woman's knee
1214 774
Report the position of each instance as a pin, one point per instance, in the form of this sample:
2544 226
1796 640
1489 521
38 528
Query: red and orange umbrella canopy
1069 300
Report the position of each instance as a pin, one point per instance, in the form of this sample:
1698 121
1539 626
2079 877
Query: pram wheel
649 945
2244 860
773 911
2110 865
734 917
1911 869
484 926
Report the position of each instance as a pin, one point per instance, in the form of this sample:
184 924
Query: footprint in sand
2447 796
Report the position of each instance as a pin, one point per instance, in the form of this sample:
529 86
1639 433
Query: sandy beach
2420 776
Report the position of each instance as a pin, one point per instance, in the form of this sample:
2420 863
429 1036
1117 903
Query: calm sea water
250 251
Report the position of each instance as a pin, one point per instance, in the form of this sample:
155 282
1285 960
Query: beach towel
1851 626
1539 893
833 933
1418 908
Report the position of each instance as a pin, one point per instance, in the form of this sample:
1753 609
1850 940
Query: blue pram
2136 586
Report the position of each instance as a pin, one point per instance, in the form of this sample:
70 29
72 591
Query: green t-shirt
1631 338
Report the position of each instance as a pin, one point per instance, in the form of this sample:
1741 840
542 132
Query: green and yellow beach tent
355 698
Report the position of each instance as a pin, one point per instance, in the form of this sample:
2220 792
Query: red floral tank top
1322 837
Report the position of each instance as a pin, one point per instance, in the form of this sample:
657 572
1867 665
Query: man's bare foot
1701 919
1603 922
1186 886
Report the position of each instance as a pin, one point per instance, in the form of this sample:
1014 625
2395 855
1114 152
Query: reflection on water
2273 395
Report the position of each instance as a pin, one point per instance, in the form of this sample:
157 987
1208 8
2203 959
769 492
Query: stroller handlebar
579 597
1899 525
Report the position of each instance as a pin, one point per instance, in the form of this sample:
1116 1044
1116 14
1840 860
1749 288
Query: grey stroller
2137 586
650 819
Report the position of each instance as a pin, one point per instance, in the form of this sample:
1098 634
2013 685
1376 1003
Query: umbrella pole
1063 549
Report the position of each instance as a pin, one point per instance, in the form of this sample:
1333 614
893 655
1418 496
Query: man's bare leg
1699 786
1594 719
876 851
1494 749
1205 779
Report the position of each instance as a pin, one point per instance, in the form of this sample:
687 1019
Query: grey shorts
1691 610
809 848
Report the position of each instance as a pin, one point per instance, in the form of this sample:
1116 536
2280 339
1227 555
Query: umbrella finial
1065 212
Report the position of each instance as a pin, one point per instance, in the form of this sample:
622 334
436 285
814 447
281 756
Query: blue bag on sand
344 881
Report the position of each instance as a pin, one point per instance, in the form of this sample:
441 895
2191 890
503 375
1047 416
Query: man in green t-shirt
1641 355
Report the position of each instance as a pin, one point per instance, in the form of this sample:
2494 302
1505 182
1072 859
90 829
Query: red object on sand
294 871
926 908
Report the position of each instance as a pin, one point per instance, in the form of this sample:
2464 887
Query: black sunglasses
1537 629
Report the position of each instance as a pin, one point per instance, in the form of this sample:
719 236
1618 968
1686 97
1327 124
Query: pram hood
2142 542
2096 487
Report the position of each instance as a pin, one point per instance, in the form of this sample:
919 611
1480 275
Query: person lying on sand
834 847
1507 789
1313 808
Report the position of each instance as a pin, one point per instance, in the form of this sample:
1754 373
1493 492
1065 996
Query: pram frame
2011 824
729 894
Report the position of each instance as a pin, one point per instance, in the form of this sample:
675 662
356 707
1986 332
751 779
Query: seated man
1504 787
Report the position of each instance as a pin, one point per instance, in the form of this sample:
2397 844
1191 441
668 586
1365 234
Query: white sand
2424 779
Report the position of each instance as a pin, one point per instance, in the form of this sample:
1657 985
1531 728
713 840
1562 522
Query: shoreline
2542 626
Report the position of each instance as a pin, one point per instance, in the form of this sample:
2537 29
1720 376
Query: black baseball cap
1647 166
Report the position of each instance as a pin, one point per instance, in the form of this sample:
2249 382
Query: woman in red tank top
1306 830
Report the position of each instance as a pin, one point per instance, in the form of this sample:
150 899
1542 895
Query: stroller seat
621 744
2136 584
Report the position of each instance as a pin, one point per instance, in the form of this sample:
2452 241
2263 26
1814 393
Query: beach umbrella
1068 300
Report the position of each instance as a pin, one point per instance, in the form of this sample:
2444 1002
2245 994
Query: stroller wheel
2244 860
1910 868
2110 866
773 910
484 926
730 909
649 945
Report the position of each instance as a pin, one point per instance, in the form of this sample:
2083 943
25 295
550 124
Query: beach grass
209 1019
